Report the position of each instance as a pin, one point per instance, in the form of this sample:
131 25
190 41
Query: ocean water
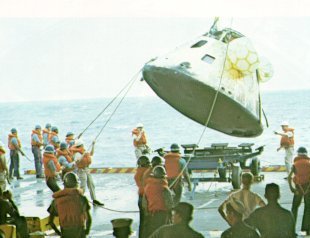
163 125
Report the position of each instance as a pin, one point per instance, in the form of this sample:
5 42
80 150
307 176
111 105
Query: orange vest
70 207
287 141
51 135
46 158
10 145
302 170
139 179
86 159
154 194
33 142
172 164
142 140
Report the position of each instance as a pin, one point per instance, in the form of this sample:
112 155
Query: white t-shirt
249 199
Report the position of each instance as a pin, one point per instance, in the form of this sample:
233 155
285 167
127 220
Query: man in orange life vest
70 138
175 166
36 144
51 168
4 173
143 165
300 176
53 134
157 201
46 134
72 208
287 143
140 141
65 159
83 160
14 145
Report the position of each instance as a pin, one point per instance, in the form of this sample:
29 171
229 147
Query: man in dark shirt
235 210
182 214
273 221
6 208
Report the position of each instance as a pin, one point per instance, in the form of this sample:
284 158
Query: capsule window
199 44
208 58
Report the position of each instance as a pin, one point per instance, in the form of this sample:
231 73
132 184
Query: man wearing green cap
14 145
176 170
36 144
72 208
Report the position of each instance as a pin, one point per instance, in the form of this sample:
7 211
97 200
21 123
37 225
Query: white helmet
79 142
140 125
284 123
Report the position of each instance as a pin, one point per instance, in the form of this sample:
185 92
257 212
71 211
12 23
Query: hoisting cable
209 116
117 106
132 81
109 104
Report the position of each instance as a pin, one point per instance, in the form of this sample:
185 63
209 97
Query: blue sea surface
163 125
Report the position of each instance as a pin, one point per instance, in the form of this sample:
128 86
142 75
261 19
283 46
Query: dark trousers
142 218
37 160
177 188
21 226
52 184
14 165
296 203
154 221
76 232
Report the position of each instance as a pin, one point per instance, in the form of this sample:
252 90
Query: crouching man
72 208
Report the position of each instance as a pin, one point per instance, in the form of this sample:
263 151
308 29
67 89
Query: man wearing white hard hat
140 141
287 143
4 172
83 160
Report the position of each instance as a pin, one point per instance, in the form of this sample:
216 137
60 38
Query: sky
91 49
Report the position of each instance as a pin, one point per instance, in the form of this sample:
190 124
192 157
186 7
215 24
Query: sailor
156 160
45 134
54 133
249 199
122 227
72 208
55 142
175 166
238 229
83 160
140 141
14 145
300 177
65 159
4 173
287 143
143 165
36 144
272 220
8 207
70 138
51 168
182 215
157 201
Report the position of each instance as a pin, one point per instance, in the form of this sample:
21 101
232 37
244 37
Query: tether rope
109 104
117 106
